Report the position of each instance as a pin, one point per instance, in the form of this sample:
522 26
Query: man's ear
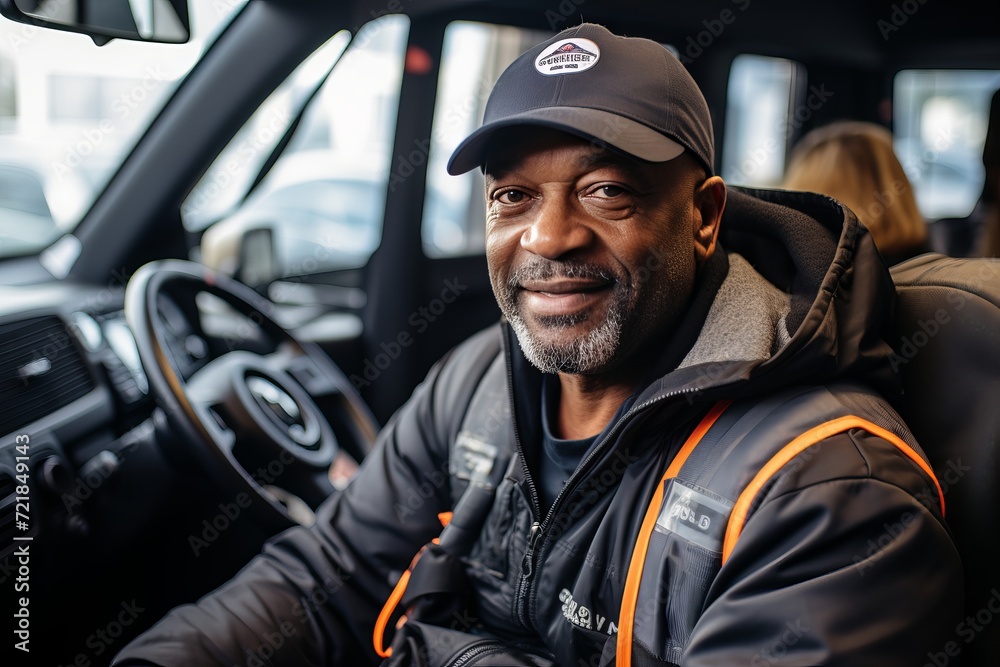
709 202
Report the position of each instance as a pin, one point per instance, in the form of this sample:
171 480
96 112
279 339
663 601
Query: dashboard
74 401
76 411
92 477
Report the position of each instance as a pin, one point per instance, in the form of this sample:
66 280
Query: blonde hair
854 162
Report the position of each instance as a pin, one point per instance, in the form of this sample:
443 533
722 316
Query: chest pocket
684 555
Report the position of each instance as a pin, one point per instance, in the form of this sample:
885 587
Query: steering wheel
266 414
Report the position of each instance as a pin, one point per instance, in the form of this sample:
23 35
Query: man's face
592 255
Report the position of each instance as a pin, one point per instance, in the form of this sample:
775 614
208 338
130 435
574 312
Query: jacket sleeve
313 595
846 561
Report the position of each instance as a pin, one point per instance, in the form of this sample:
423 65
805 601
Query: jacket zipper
527 563
524 595
581 472
474 652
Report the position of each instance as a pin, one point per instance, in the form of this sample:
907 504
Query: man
803 527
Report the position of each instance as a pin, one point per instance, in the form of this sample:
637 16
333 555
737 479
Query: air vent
40 371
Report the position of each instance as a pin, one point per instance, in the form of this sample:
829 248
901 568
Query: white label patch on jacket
472 458
695 514
584 617
568 56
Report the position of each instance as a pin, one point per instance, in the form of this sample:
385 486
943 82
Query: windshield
70 112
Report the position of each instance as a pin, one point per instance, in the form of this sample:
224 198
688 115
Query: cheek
663 273
657 257
501 249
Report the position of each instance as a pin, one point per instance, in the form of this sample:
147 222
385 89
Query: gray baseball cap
628 93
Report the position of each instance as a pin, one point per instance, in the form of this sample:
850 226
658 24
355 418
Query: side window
759 120
319 207
474 56
940 119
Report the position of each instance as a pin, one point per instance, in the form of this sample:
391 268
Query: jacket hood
841 294
838 298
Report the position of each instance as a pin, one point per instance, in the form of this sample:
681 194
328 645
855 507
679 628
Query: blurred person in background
854 162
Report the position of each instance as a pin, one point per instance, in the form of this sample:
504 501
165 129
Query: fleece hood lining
798 251
746 322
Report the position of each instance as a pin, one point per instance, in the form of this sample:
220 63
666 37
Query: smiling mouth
562 297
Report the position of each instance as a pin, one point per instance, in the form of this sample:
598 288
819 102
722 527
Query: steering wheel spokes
254 418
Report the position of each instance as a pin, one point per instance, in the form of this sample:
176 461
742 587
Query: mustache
547 269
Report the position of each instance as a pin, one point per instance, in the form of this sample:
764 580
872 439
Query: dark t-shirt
561 457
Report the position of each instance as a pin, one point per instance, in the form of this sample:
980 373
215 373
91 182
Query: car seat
947 330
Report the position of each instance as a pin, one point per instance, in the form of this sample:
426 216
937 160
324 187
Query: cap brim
618 132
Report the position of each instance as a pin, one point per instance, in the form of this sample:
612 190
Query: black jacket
843 561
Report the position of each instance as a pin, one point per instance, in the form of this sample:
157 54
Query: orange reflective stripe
378 635
383 618
745 502
630 597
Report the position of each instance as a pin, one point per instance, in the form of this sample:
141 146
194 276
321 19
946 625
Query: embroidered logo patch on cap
568 56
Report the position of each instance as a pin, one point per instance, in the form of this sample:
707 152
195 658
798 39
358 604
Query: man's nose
556 230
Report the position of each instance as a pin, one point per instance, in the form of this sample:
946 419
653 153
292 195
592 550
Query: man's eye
609 191
510 196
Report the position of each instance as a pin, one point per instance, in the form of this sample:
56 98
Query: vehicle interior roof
860 31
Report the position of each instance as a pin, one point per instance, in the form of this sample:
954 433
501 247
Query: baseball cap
629 93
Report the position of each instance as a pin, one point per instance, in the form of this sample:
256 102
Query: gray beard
586 354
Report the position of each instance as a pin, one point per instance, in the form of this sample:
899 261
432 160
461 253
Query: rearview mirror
104 20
